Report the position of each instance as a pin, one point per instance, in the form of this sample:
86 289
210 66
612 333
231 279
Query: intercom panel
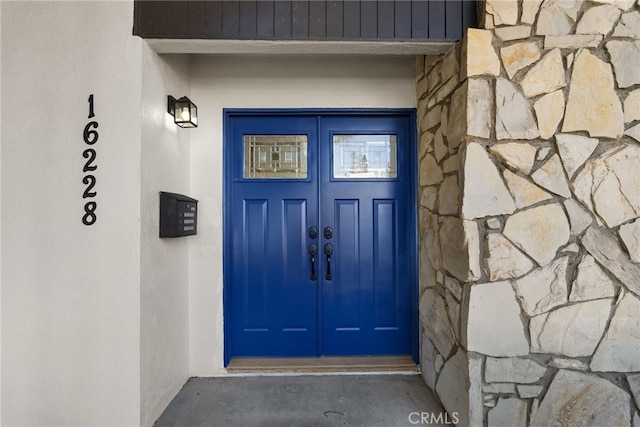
178 215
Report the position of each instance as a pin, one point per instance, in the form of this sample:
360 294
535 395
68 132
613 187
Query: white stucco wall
164 264
218 82
71 303
94 319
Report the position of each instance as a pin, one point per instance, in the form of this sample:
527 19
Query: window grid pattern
275 156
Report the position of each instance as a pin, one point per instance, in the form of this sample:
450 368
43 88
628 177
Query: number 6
90 135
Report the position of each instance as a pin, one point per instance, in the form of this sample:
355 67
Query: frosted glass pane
364 156
275 156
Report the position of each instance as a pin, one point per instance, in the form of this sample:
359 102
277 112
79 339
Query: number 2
90 180
90 154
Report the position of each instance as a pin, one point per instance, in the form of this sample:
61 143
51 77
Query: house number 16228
90 136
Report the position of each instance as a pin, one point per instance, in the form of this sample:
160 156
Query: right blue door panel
345 289
366 307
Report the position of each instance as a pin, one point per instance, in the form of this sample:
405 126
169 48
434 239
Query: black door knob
313 232
328 232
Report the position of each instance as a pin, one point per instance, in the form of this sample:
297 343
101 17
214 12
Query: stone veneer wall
444 258
530 216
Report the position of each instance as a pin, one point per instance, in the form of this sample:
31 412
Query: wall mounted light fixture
184 112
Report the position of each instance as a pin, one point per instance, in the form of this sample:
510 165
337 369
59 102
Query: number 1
91 106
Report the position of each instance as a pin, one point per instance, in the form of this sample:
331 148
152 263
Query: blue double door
320 234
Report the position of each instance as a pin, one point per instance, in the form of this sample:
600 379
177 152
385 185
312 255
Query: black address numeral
90 154
89 216
90 135
90 180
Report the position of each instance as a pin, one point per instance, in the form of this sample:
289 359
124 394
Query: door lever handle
328 251
313 250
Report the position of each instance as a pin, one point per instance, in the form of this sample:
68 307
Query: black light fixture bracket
171 105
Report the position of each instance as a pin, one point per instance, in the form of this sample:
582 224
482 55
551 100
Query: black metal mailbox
178 215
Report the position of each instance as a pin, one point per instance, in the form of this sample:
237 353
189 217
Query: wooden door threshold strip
321 364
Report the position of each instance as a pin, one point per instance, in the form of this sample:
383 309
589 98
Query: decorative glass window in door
275 156
364 156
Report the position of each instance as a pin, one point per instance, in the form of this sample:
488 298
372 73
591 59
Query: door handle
313 250
328 250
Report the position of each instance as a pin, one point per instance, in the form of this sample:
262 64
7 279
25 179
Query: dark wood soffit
319 20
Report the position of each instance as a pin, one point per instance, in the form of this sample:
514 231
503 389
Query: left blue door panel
273 297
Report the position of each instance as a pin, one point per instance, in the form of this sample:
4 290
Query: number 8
90 216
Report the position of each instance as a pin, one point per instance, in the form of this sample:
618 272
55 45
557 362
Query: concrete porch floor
387 400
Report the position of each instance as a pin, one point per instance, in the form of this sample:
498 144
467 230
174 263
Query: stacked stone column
530 216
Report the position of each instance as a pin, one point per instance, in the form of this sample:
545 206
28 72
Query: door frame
230 113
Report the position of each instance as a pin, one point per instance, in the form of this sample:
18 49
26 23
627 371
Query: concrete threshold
311 365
